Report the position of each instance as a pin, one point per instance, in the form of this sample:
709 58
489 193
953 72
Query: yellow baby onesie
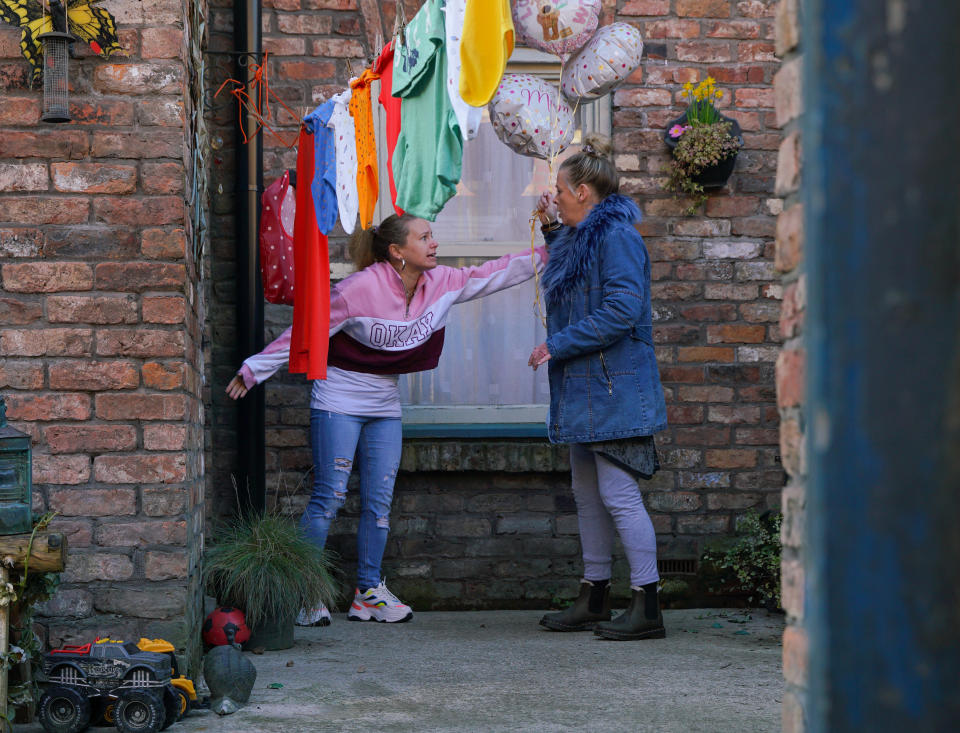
485 46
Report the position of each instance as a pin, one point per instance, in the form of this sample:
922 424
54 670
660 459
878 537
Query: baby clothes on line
345 144
309 341
323 179
276 241
468 116
392 110
485 47
429 154
362 114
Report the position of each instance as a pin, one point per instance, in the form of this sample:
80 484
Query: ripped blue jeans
339 442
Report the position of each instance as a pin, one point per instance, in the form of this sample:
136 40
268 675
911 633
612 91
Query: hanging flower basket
714 176
704 145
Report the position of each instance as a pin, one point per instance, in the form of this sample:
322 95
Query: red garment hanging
310 338
276 242
391 106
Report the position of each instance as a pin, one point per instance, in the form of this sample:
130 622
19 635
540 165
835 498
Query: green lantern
15 478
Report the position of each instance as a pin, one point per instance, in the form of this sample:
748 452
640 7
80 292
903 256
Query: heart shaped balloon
604 62
530 116
556 26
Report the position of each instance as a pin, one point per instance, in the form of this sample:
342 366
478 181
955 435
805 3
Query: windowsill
475 421
479 431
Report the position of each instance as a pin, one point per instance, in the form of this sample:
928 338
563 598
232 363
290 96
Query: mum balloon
556 26
605 61
530 116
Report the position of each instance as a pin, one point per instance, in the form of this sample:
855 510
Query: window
482 384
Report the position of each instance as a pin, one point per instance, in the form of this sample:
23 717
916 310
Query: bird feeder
16 483
56 79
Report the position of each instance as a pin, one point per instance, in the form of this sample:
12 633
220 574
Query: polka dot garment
345 148
362 114
276 241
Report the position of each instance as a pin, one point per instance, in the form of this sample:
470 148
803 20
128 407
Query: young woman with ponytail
605 395
386 319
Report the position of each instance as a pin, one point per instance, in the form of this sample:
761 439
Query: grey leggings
608 497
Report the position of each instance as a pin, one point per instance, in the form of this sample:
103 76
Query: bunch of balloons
530 115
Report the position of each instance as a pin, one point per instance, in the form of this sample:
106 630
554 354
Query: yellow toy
183 686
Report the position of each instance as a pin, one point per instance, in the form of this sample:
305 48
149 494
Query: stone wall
100 347
716 297
791 362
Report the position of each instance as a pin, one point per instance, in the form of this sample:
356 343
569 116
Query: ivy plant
749 562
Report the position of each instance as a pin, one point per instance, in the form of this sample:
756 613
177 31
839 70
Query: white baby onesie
345 149
467 117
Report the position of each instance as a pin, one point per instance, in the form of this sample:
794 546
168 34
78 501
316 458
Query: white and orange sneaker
378 604
313 617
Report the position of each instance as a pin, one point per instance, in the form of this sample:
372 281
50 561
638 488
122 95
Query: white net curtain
488 341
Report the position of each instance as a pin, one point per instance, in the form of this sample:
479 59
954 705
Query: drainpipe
250 468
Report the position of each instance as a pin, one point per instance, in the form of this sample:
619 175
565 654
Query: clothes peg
400 23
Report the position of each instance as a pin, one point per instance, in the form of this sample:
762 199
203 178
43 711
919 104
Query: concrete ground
717 671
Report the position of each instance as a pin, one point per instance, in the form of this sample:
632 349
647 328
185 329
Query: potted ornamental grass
265 564
704 144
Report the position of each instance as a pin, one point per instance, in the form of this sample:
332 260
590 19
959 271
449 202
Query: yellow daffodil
700 98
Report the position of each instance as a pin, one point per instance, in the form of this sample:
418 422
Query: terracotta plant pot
715 176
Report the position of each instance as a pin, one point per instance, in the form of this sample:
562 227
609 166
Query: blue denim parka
604 381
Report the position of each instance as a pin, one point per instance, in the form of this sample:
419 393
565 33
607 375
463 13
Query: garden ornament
87 22
225 625
230 677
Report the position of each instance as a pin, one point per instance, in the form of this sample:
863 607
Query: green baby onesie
428 158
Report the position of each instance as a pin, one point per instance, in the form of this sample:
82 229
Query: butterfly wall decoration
85 21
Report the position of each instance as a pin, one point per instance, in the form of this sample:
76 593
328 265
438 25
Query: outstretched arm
260 367
496 275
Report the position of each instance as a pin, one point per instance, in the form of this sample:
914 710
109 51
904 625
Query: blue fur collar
574 250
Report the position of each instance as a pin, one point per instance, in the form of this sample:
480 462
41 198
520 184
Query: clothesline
434 85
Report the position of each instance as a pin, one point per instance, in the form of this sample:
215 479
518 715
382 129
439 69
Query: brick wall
99 351
465 510
790 363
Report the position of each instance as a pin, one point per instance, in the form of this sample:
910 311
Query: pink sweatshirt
373 330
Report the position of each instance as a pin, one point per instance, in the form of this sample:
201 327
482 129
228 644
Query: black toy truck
83 681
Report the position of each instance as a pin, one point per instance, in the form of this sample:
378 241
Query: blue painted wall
882 194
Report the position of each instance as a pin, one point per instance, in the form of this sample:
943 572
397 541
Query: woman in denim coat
605 395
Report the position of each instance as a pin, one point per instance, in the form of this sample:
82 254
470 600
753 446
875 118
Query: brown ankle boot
634 622
591 606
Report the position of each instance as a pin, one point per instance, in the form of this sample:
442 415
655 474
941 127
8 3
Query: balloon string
554 127
535 214
537 300
555 151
